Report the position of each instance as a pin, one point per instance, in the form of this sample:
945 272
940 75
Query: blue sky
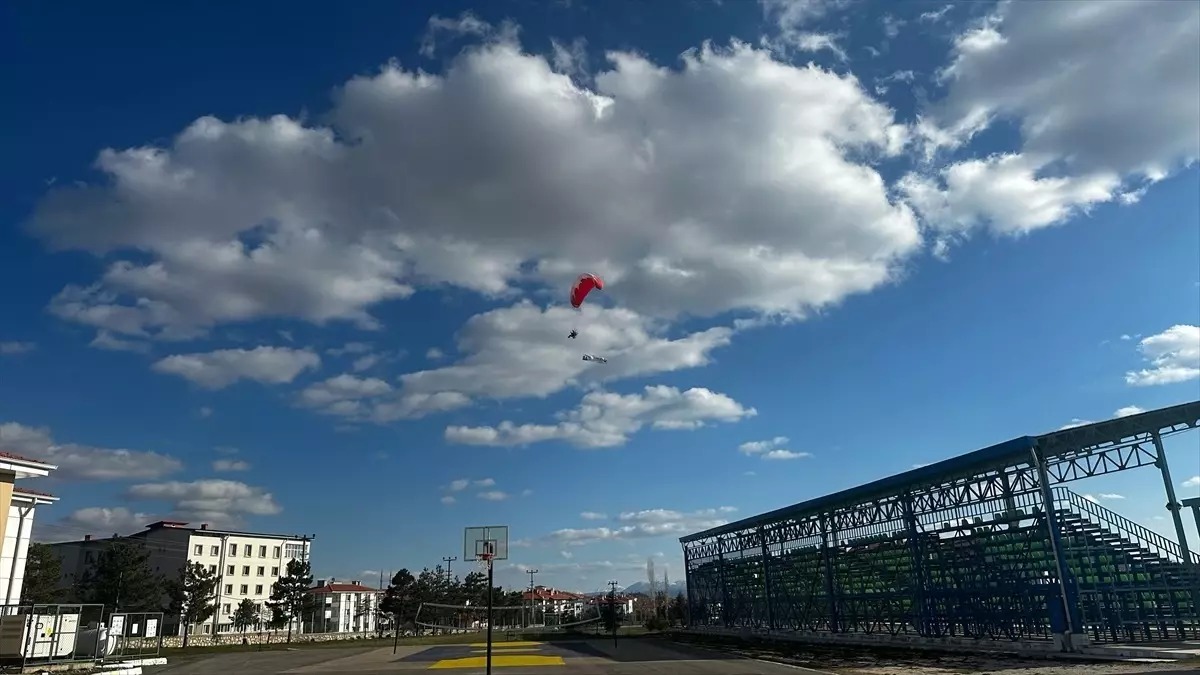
242 290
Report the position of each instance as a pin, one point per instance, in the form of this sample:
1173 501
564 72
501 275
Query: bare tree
652 592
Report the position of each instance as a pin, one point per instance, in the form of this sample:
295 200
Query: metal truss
976 552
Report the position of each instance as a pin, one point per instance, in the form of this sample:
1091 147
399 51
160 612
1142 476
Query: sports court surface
584 657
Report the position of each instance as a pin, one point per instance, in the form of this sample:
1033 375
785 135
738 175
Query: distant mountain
676 588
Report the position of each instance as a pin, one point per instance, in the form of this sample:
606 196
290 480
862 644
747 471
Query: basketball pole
489 614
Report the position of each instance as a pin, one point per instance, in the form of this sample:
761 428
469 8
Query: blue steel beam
1058 447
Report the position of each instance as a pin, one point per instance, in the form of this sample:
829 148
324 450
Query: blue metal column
918 566
1173 505
827 535
689 617
1065 578
724 587
766 565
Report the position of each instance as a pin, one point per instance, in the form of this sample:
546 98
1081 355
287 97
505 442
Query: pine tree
43 569
121 579
399 600
246 615
290 598
193 596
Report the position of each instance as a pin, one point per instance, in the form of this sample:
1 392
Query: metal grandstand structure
987 545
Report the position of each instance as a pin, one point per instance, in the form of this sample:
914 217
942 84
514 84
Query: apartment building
552 601
344 607
247 563
17 508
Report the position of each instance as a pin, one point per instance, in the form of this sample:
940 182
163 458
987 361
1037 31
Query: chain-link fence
47 634
134 635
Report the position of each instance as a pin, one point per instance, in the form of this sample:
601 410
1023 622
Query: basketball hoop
485 560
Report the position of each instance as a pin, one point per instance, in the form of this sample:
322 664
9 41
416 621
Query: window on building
258 589
212 569
293 550
276 555
274 571
224 609
245 570
214 550
228 589
262 551
233 550
198 549
244 589
231 570
261 571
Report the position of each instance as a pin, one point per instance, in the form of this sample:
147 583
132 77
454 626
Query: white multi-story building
344 608
247 563
18 505
551 601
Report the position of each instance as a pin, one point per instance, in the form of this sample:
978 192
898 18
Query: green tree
121 579
43 569
193 596
399 600
679 609
289 596
246 615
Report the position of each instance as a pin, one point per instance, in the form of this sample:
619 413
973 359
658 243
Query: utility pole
531 573
449 560
612 608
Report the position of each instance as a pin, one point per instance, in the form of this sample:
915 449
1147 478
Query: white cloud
521 350
1174 356
526 492
12 348
215 501
936 15
592 515
1076 422
459 485
1108 496
771 449
643 524
1100 116
485 482
448 499
204 412
493 495
103 521
434 354
1128 410
106 340
350 348
344 395
230 465
748 179
1192 482
605 419
85 462
221 368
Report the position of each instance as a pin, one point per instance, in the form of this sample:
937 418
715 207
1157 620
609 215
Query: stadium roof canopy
1065 445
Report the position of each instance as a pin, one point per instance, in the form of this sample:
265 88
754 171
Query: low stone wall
173 642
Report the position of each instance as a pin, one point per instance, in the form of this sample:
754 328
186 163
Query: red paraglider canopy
584 285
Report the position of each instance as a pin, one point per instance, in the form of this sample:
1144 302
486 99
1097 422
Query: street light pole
531 573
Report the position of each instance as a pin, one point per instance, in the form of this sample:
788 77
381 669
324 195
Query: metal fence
49 634
134 635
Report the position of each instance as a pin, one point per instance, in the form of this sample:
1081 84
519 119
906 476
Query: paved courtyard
584 657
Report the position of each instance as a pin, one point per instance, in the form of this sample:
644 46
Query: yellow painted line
499 662
506 650
514 643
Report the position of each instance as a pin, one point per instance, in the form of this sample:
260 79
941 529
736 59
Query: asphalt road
585 657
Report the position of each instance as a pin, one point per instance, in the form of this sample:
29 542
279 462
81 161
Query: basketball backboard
491 539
